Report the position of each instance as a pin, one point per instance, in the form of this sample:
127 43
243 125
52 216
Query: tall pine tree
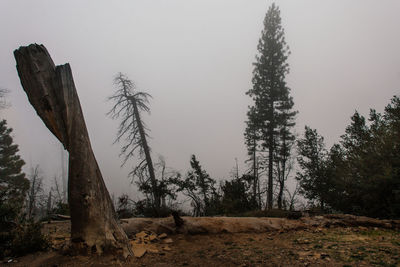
270 92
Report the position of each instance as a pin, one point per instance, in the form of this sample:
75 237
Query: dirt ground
315 246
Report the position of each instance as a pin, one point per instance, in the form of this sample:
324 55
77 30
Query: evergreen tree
361 175
13 187
13 184
204 182
200 188
270 92
235 197
367 173
312 158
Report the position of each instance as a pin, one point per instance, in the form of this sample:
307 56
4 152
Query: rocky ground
317 241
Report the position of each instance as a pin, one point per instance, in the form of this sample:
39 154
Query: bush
28 238
23 239
146 209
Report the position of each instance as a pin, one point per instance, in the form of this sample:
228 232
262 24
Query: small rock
139 251
141 235
168 241
152 250
163 235
324 256
152 237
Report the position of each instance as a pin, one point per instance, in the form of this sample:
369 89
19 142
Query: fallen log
352 220
60 217
215 225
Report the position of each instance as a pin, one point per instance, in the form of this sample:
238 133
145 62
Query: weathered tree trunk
51 91
282 178
48 210
280 194
270 170
203 188
255 171
258 187
153 180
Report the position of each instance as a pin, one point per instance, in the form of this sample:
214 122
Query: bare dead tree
128 105
51 91
35 188
166 180
49 204
3 102
283 168
292 196
59 194
162 166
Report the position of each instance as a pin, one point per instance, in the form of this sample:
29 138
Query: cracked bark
51 91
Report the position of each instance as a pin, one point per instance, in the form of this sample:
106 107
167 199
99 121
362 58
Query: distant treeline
361 174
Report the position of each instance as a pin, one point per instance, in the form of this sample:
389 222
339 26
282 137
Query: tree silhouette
128 104
269 92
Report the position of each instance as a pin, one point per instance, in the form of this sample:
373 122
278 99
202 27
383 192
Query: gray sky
195 58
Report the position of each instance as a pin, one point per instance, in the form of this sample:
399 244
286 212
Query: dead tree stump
51 91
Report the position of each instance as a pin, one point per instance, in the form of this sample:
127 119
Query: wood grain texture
51 91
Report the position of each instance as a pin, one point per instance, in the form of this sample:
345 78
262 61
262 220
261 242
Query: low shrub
28 238
24 238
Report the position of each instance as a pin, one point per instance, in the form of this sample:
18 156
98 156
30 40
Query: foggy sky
195 59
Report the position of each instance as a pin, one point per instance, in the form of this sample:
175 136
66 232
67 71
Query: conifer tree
270 92
312 160
13 184
204 182
199 187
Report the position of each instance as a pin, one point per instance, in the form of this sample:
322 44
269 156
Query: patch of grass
374 232
318 246
357 256
396 243
386 250
331 238
382 263
332 246
301 241
268 256
201 253
362 248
